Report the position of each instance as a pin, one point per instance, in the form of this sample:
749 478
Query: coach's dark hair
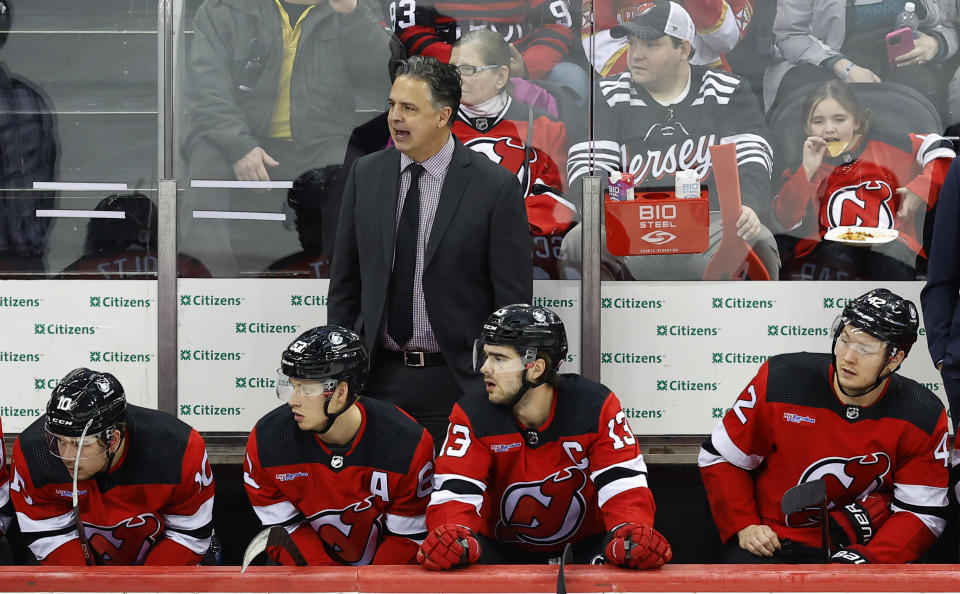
443 80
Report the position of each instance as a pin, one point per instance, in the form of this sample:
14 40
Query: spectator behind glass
492 123
275 88
28 153
308 196
125 248
720 26
833 39
540 34
660 117
852 174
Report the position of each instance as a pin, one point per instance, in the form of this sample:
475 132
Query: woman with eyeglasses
520 137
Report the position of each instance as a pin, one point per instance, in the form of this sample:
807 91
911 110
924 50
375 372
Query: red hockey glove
855 554
857 522
637 546
449 546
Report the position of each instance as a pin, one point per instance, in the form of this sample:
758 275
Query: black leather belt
413 358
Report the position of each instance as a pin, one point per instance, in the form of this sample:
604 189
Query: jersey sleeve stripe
441 497
28 524
458 484
190 540
708 455
730 452
42 547
202 517
277 513
412 527
934 523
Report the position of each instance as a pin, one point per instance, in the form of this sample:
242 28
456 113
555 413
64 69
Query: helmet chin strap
331 417
526 385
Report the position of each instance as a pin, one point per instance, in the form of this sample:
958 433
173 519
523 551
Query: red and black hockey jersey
789 427
859 188
636 134
580 474
541 30
155 507
352 505
720 26
6 506
302 264
503 137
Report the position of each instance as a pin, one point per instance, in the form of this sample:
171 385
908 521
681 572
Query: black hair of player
442 79
328 353
83 396
530 330
885 316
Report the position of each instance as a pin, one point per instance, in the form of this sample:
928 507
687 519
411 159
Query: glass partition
78 102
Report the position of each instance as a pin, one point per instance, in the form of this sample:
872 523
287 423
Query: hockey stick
807 495
81 534
274 536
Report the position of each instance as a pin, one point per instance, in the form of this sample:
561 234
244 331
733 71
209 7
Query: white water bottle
908 18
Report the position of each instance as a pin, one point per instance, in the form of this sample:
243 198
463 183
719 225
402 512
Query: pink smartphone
898 42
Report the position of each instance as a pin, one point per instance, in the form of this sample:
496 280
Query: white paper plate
873 235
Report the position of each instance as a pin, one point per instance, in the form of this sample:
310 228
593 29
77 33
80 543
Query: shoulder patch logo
500 448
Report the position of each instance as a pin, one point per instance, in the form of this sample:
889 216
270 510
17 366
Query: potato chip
836 147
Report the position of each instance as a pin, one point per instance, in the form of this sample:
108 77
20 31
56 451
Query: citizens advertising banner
232 332
51 327
678 354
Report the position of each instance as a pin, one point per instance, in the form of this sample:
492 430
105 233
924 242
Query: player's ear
342 392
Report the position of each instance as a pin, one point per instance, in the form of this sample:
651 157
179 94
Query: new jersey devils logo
126 543
866 204
350 535
543 513
508 152
847 479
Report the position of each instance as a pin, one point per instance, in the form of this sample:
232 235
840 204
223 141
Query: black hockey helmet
84 396
884 315
525 327
311 189
6 19
327 352
138 227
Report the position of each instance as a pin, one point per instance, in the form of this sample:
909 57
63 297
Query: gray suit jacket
477 257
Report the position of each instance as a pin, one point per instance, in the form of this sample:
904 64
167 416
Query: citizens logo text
631 358
121 302
63 329
740 303
208 355
210 300
264 328
629 303
7 301
308 300
683 330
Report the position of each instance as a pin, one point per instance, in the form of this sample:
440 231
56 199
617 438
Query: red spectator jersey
578 475
352 505
155 506
859 188
502 137
303 264
131 264
541 30
789 427
720 26
6 507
